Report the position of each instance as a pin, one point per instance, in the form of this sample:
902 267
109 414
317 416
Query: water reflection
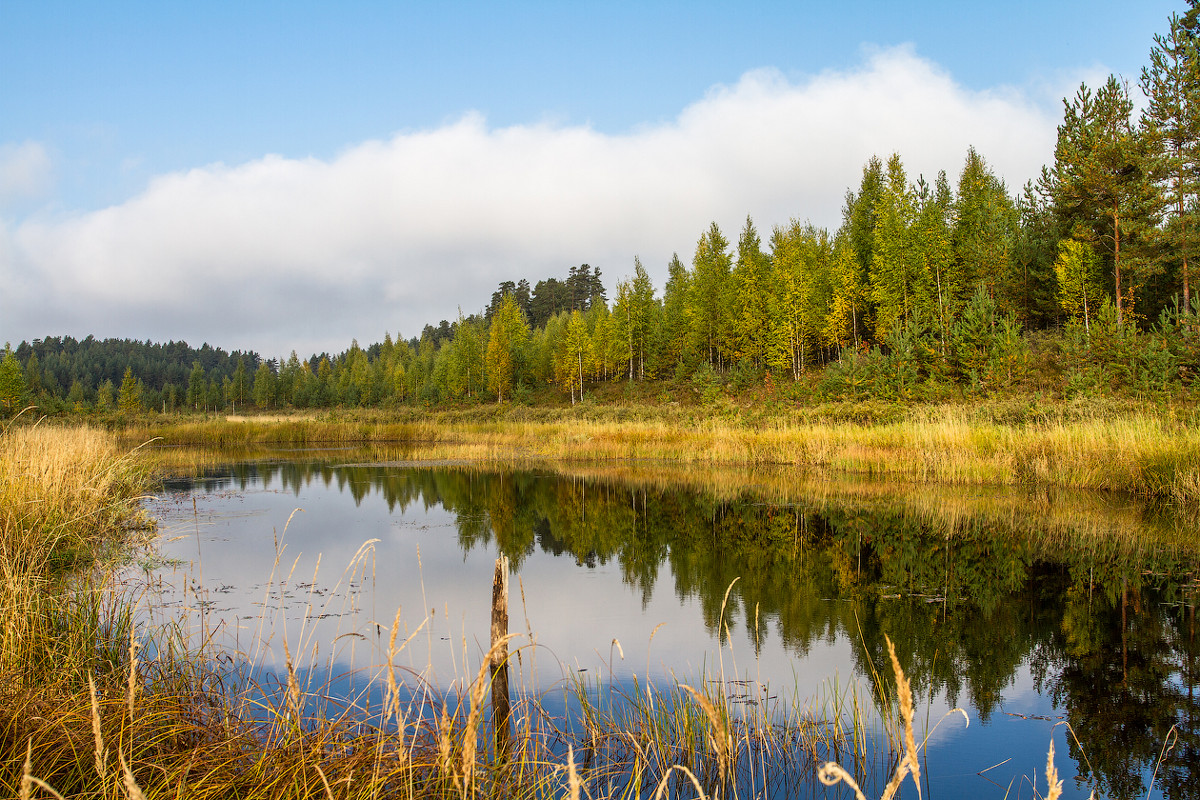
1025 609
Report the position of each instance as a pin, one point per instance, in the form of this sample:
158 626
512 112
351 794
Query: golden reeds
1140 451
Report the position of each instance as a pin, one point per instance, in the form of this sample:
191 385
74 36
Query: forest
1079 283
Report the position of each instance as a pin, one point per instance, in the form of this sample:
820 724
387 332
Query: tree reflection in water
1094 593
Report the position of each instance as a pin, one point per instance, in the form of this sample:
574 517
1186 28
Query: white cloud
389 235
26 172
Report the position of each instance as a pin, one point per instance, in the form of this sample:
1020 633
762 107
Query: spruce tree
129 397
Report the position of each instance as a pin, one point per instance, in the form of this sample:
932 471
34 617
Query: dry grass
65 495
1138 451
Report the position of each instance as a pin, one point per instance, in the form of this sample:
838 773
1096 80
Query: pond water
1045 617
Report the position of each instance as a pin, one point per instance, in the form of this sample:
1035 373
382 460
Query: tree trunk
1117 261
501 707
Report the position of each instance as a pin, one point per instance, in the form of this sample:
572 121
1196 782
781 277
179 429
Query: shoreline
1147 452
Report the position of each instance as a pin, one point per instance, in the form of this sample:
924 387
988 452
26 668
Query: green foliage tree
1077 271
104 396
12 382
848 295
129 397
240 385
467 356
323 389
33 375
265 386
935 251
860 218
800 297
750 318
77 395
289 375
710 303
1030 288
900 284
214 398
1103 183
602 332
1171 84
673 340
197 391
575 355
985 226
633 316
506 336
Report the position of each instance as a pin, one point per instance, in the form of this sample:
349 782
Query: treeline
63 372
926 289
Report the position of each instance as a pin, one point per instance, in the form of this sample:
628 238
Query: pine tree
1171 84
1103 184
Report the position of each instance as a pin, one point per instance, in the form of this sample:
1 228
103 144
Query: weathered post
501 708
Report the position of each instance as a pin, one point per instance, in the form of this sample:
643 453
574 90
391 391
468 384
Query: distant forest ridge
925 284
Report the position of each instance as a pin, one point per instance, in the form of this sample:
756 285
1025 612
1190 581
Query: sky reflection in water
620 578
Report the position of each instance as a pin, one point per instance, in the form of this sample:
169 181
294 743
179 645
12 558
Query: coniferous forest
932 288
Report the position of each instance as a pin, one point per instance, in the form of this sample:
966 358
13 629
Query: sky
277 176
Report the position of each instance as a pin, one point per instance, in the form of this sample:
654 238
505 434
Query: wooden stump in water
501 708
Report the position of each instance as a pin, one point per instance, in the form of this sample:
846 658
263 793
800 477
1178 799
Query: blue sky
279 175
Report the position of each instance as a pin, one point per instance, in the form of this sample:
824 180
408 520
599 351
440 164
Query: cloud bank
283 253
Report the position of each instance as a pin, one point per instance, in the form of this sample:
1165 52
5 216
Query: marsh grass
1137 449
67 496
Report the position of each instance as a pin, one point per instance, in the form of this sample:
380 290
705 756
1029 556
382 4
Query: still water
1045 617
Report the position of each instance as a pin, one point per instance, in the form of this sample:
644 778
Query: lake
1045 616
